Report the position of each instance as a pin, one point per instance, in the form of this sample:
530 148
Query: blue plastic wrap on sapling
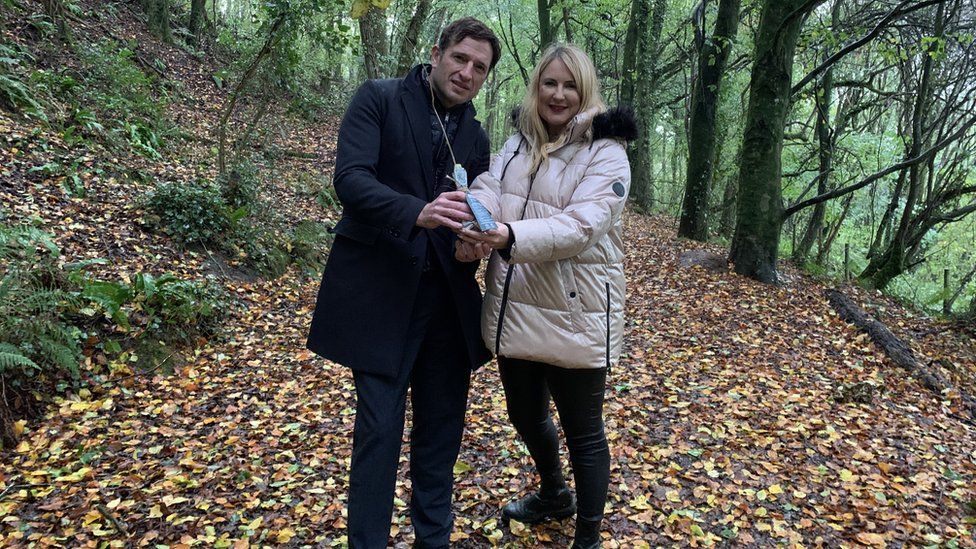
482 216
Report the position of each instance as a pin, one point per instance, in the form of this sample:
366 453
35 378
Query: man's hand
497 239
448 210
470 252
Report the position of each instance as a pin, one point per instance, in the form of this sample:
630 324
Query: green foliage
239 185
192 213
15 94
47 309
326 197
309 244
71 175
165 307
109 98
34 339
262 247
143 139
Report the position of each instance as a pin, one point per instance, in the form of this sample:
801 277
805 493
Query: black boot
587 535
535 508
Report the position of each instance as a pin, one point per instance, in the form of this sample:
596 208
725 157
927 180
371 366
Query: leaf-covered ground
724 419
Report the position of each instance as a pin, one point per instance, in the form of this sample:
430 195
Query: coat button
572 294
413 260
394 233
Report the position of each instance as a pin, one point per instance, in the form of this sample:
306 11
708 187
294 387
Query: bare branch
924 155
897 12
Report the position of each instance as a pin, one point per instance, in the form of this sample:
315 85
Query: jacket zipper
501 310
511 268
608 329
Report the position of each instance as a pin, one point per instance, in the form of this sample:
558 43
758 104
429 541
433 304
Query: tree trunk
491 106
639 10
823 102
198 18
759 215
712 56
566 27
372 32
408 47
274 37
883 268
545 26
54 9
157 12
648 46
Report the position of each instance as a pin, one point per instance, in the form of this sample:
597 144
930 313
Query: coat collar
415 96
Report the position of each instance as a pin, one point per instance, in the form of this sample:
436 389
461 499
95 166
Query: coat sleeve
596 204
487 188
357 161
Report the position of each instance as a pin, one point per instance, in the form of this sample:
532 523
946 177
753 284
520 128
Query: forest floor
741 414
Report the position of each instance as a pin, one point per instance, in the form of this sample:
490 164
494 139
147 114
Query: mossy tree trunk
823 103
408 46
157 15
198 20
713 53
54 9
639 10
546 30
759 212
372 31
898 255
649 49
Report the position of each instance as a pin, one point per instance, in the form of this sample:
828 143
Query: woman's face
559 99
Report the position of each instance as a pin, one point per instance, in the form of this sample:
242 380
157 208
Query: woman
554 302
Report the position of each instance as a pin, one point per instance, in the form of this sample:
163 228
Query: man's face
458 72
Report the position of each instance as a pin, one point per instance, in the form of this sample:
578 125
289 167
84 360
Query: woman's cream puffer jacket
560 297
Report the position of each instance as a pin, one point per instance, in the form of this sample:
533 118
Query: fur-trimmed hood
616 123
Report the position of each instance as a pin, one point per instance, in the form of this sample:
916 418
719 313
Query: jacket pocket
355 230
574 302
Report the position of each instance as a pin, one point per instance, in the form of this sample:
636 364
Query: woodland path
722 422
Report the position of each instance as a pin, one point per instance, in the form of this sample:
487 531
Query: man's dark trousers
435 368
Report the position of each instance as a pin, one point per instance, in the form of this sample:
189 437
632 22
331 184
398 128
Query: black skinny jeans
578 395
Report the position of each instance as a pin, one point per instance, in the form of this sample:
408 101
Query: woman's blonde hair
587 84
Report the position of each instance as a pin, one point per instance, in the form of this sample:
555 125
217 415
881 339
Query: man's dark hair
469 27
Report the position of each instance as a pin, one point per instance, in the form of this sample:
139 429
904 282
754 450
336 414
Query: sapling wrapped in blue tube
482 217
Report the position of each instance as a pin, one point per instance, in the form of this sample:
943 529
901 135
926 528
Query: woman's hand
497 238
467 252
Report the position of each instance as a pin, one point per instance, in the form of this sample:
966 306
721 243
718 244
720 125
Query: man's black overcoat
384 177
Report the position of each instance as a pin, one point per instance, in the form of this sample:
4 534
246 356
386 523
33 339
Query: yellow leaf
359 8
77 476
846 475
285 535
155 512
19 427
255 524
639 503
673 496
776 489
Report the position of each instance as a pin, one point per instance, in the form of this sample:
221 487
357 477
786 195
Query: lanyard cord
433 105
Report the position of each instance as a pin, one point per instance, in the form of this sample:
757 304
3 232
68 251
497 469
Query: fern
12 358
34 335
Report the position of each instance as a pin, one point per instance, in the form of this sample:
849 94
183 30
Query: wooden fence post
946 304
847 261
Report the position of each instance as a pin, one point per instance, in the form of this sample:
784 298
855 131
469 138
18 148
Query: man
394 305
